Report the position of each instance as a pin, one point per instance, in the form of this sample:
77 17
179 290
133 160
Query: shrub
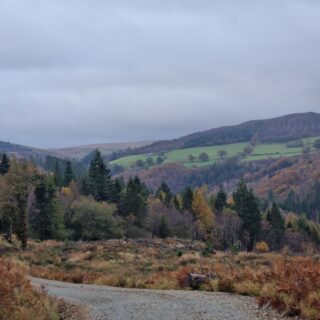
19 300
262 247
92 220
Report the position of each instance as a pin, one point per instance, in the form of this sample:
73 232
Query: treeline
45 205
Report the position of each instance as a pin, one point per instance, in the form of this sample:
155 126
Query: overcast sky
75 72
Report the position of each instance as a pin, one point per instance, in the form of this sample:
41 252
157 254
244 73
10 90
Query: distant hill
280 129
21 151
80 152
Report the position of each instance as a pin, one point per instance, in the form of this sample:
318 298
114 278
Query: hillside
21 151
79 152
280 129
261 151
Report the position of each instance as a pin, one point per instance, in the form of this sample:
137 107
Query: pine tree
135 201
5 164
187 198
277 223
48 220
246 205
57 174
220 200
100 183
68 175
164 194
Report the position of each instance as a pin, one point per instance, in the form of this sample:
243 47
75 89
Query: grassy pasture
260 152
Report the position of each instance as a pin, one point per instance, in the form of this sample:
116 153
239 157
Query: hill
80 152
21 151
189 157
280 129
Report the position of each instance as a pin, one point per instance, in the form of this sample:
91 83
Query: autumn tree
20 180
203 214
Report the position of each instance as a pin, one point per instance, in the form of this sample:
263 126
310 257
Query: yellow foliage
262 247
203 212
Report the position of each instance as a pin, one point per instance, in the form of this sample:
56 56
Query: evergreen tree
135 201
57 174
48 220
187 198
68 175
220 200
246 205
100 183
5 164
277 223
164 194
164 228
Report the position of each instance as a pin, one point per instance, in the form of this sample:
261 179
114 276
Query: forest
64 203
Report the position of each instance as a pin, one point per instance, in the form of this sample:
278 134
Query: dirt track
136 304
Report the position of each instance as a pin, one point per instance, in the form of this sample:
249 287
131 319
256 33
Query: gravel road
110 303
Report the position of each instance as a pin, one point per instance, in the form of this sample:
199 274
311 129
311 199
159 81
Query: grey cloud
80 71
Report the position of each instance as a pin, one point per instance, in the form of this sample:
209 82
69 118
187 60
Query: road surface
110 303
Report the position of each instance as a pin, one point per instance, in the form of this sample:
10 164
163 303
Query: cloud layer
78 71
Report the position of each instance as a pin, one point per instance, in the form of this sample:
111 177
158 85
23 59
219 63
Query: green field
260 152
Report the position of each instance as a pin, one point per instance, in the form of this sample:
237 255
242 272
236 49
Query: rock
195 280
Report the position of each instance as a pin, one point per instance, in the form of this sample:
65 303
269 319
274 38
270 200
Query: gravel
111 303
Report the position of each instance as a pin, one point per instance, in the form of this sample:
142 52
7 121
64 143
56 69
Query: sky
91 71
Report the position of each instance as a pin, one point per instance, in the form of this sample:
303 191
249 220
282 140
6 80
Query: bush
18 299
262 247
92 220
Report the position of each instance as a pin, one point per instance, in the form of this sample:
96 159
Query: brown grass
18 300
288 283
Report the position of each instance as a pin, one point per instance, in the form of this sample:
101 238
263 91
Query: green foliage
164 194
92 220
246 205
99 179
220 199
203 157
316 144
68 174
277 223
4 164
187 199
47 221
134 201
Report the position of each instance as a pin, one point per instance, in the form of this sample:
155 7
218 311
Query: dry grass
18 300
288 283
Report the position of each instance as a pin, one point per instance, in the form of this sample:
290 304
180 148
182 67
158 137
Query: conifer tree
277 223
135 201
246 205
187 198
5 164
68 175
57 174
164 194
99 179
220 200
